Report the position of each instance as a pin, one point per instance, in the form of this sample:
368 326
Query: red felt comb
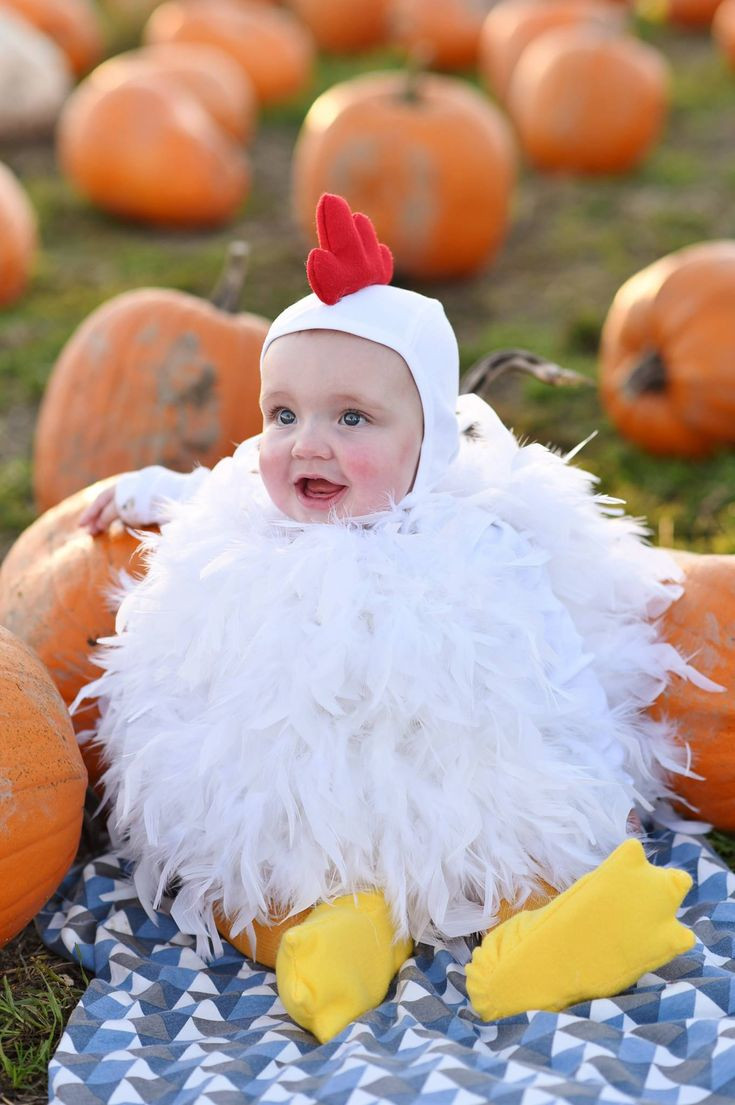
350 256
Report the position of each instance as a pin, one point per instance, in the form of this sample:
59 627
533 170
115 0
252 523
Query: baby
413 721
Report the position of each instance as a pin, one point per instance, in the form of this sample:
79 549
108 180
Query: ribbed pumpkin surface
680 310
432 163
42 786
54 588
180 375
701 624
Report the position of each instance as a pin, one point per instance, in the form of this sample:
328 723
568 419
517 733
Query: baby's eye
353 418
282 416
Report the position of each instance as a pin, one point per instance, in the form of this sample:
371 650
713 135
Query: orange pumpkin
344 28
54 585
273 48
206 72
587 100
146 149
153 376
667 378
267 937
447 31
74 25
513 24
43 786
723 30
18 237
429 159
701 624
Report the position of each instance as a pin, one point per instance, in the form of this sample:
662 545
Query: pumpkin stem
486 371
417 62
647 375
227 294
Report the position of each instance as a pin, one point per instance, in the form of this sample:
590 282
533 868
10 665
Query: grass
37 994
572 243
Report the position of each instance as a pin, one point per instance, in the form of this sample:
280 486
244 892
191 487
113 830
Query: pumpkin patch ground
571 244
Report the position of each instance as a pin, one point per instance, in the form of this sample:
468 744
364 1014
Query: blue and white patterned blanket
158 1025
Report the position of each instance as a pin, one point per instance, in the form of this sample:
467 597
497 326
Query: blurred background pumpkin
153 376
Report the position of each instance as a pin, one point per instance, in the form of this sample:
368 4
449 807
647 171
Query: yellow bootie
338 963
592 941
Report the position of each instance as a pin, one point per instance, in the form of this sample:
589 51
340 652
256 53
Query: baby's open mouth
318 492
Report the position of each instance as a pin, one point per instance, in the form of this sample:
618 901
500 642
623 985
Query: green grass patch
724 845
16 497
37 994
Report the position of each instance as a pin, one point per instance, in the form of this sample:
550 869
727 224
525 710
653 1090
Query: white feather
446 703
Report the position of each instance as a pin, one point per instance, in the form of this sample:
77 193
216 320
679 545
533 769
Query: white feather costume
445 704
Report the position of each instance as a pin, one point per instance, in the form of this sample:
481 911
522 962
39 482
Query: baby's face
342 425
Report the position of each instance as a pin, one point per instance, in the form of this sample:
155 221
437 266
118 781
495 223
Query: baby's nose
311 441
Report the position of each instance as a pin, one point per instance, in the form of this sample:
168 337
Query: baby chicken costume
418 722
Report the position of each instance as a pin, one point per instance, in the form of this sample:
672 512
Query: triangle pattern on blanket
157 1024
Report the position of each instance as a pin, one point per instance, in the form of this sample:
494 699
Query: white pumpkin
35 79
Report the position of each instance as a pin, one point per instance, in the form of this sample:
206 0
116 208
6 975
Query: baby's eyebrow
269 396
357 400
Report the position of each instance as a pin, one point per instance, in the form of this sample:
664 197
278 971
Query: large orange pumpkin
274 49
18 236
344 28
513 24
54 596
447 31
146 149
43 783
73 24
432 163
208 73
153 376
723 30
701 624
667 376
588 100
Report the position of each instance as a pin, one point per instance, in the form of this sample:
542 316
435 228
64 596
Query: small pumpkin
181 374
723 30
146 149
667 378
54 585
427 157
447 31
268 937
344 28
18 237
206 72
587 100
35 79
513 24
74 26
43 786
701 625
274 49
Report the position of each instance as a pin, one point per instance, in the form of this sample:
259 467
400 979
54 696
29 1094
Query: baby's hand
101 513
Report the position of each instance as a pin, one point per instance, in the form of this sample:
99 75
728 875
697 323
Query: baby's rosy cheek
366 465
271 467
